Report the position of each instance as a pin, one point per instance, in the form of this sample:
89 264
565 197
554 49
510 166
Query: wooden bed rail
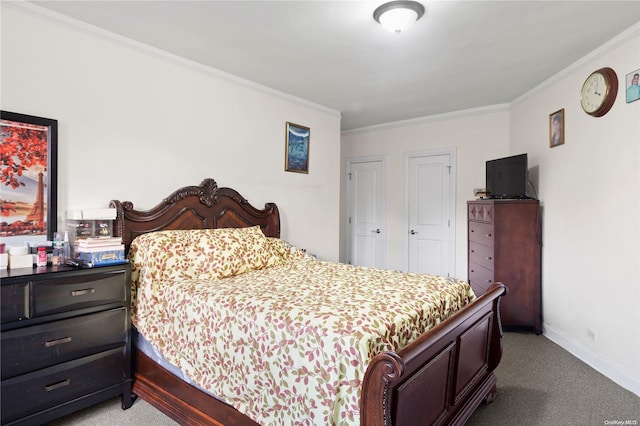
442 376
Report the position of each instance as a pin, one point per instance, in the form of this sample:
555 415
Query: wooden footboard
443 376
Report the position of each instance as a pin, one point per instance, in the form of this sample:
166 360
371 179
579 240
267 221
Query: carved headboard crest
206 193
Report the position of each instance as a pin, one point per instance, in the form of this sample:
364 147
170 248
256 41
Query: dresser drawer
481 233
480 278
77 292
32 348
15 299
47 388
481 255
482 212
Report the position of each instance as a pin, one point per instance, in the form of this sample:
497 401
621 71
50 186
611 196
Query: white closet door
366 213
430 215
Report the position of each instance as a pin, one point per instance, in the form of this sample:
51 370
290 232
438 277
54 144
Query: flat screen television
507 177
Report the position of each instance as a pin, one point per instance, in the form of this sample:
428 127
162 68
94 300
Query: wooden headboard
195 207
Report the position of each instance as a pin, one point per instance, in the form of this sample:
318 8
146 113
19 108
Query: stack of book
99 251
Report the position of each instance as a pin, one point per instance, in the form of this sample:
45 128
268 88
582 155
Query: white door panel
364 253
429 253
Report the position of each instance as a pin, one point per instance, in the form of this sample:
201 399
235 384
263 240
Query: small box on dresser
66 341
504 243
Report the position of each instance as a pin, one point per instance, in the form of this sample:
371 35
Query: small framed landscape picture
297 148
633 86
556 128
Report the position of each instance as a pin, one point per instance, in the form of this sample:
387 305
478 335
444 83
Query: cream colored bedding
281 337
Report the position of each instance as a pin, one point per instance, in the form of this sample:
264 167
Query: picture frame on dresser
29 177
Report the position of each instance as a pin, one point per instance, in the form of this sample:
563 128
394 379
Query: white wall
589 190
476 135
590 194
136 124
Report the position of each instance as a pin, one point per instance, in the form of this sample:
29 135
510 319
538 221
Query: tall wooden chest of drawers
505 246
66 341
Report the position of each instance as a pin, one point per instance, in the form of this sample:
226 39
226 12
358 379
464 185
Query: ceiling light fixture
398 16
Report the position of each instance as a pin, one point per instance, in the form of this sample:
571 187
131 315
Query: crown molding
430 119
595 54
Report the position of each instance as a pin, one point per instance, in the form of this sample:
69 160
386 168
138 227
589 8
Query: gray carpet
539 383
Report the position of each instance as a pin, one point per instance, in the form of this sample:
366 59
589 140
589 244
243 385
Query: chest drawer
481 233
14 299
480 278
481 255
32 348
482 212
77 292
51 386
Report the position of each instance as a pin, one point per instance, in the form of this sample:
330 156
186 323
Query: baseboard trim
601 364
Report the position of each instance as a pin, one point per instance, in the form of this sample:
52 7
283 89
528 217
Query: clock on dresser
66 341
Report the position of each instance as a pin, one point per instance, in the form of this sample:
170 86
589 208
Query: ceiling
459 55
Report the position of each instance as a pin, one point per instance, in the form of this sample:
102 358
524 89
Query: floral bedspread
287 343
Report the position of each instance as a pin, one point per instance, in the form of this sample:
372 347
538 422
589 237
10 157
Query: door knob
413 232
376 231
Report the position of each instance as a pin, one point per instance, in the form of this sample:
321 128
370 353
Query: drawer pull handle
55 342
63 383
83 292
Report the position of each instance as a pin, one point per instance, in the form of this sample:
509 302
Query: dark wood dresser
505 246
66 341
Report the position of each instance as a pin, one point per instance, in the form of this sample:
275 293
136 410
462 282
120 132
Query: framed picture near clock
556 128
633 86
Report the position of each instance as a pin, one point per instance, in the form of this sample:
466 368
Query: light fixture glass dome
398 16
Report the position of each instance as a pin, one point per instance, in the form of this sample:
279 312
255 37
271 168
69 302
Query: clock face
594 91
599 92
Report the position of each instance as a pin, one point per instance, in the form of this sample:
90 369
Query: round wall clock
599 92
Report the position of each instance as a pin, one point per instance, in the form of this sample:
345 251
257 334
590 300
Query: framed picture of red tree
28 177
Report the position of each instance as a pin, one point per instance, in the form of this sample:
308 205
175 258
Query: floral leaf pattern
280 336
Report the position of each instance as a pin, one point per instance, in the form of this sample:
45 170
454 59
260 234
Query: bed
439 377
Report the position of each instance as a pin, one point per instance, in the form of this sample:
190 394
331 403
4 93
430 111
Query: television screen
507 177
